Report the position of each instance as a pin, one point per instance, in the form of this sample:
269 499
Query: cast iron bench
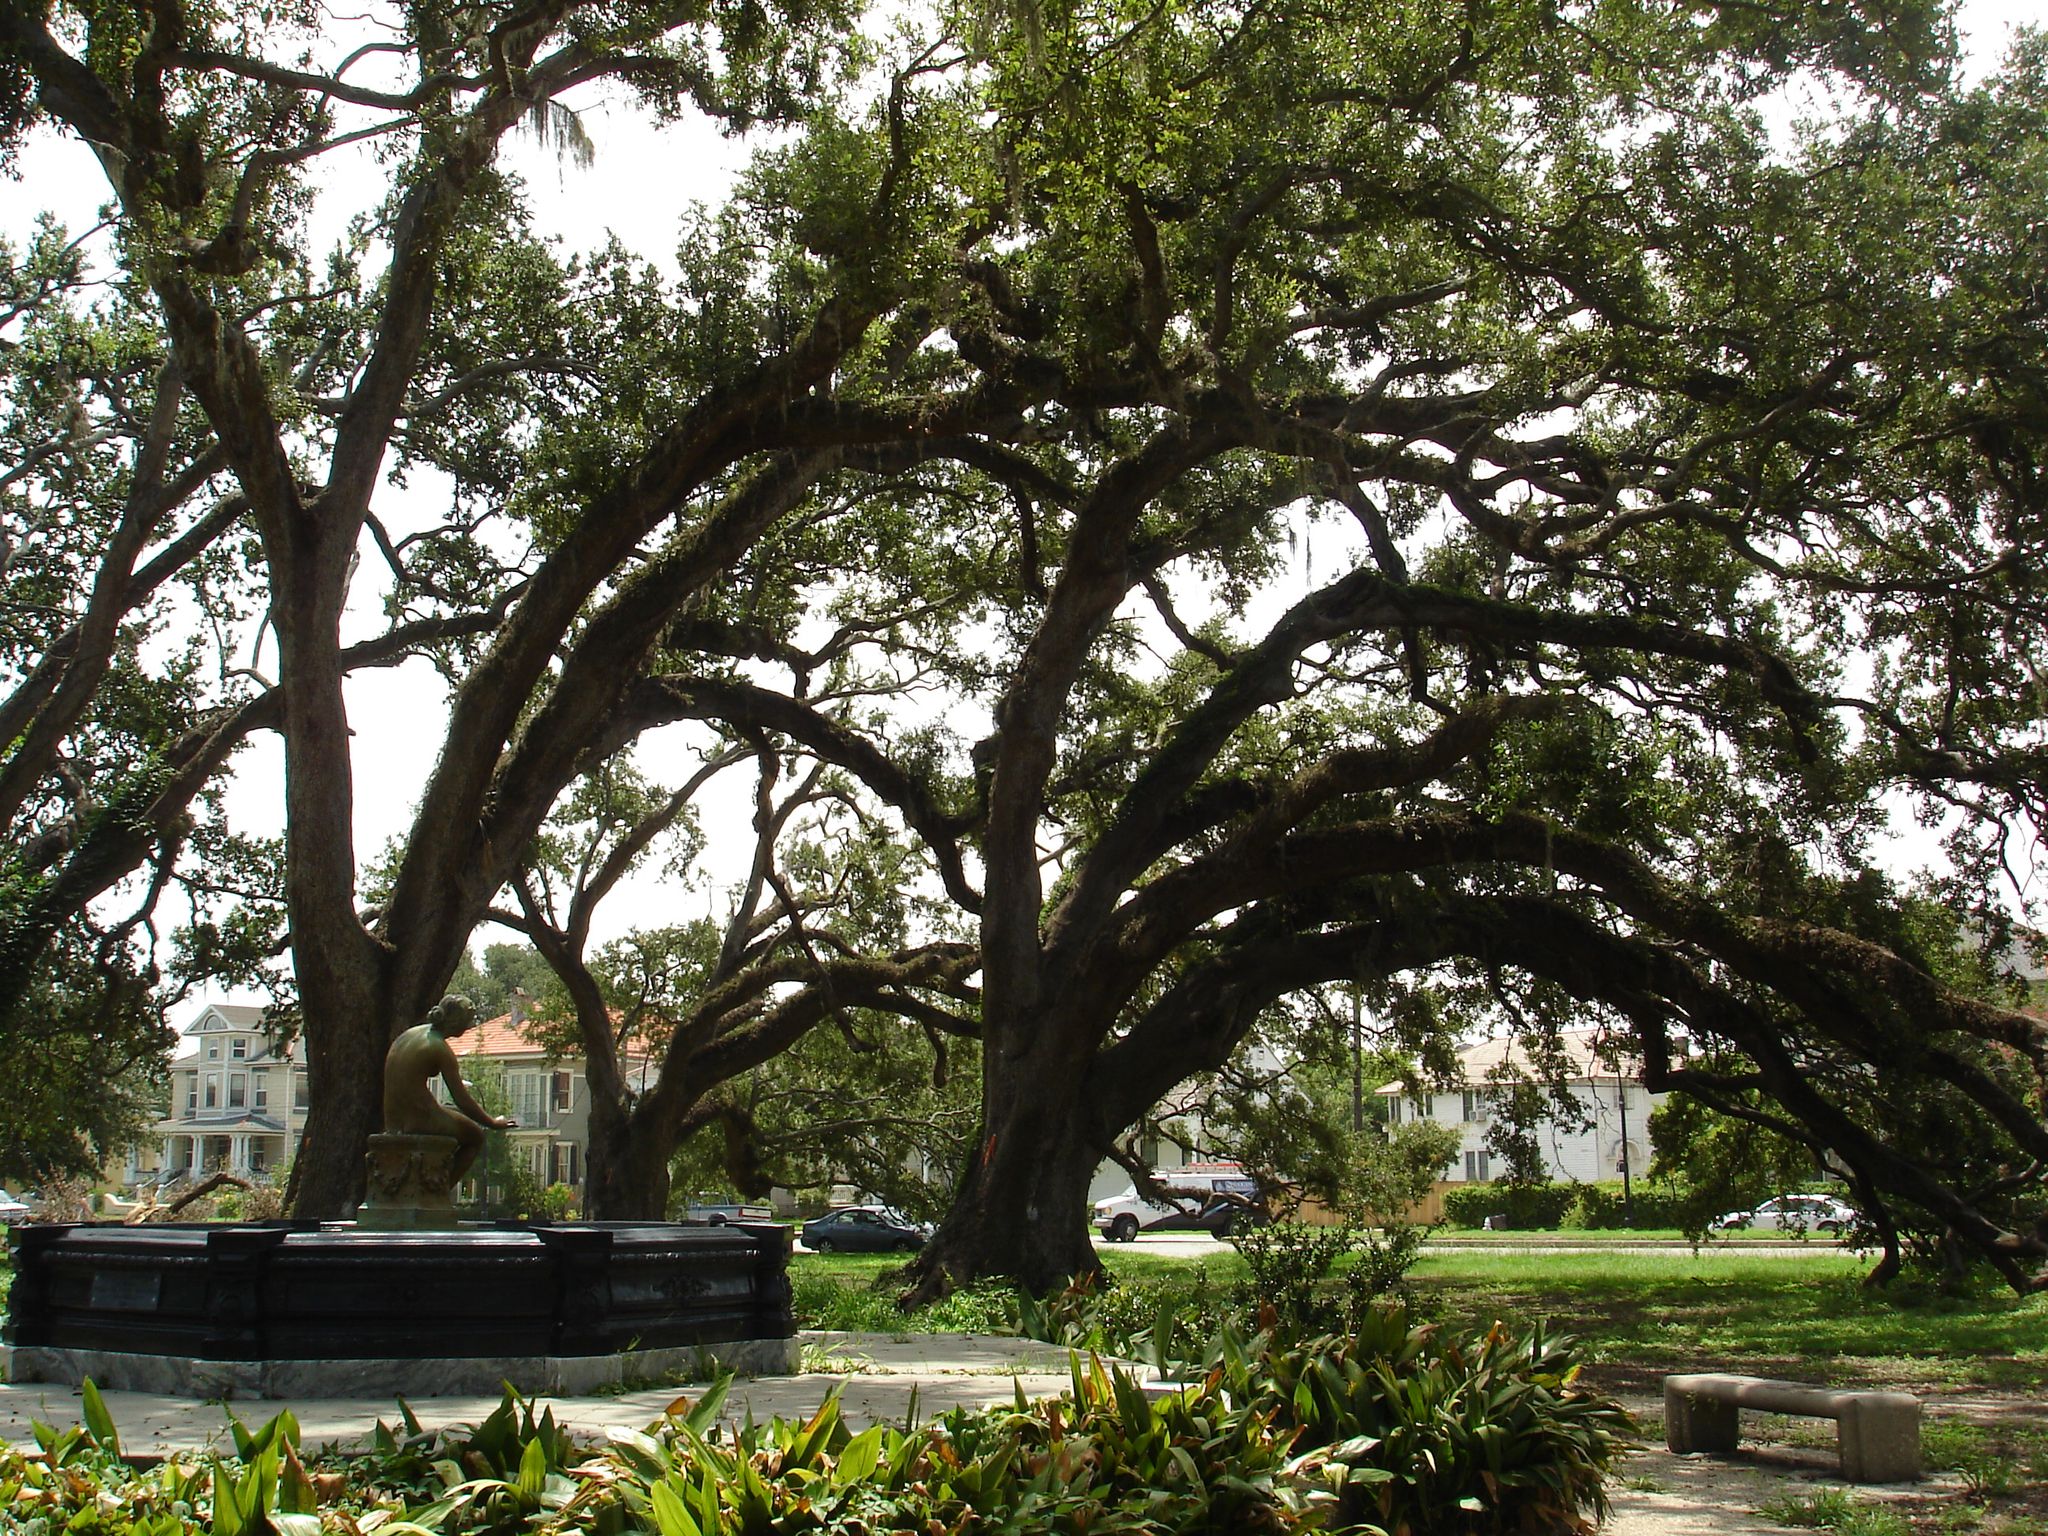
1878 1432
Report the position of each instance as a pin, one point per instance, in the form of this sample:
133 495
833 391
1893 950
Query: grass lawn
1644 1313
1514 1236
1765 1314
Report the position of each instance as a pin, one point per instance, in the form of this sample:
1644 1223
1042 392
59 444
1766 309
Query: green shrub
1394 1428
1165 1323
1293 1291
1572 1207
1380 1272
1599 1207
1536 1207
1411 1431
1290 1264
557 1202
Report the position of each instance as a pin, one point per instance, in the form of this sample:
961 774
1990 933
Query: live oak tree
1687 474
121 884
676 1025
621 469
1694 512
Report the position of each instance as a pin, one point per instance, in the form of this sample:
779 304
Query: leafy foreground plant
1394 1432
1413 1433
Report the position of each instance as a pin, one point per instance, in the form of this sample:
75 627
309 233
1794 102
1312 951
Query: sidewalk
881 1377
888 1377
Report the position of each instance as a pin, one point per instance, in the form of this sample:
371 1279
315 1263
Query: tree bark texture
1022 1206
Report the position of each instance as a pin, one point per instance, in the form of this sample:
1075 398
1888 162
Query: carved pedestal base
411 1184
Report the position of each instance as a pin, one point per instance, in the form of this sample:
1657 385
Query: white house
1617 1105
236 1104
546 1094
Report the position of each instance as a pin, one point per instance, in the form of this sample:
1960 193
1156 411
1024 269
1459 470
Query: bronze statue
415 1059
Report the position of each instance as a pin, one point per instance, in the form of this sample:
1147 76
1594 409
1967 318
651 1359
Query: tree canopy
1469 500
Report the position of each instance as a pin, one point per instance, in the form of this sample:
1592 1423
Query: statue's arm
451 1074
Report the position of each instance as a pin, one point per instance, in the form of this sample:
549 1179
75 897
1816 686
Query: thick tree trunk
1021 1212
628 1170
341 970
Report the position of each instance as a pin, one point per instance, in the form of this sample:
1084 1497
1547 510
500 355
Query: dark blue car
865 1229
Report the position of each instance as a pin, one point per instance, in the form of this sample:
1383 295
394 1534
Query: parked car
718 1213
1792 1213
1218 1198
12 1210
865 1229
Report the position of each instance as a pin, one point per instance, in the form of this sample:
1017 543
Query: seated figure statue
415 1059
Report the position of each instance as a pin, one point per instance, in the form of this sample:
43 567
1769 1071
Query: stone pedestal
411 1185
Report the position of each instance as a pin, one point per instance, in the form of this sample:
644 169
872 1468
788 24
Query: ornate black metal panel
331 1291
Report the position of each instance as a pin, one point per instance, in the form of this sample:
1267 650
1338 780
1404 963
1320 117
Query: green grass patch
1724 1309
1834 1509
856 1293
1721 1308
1595 1236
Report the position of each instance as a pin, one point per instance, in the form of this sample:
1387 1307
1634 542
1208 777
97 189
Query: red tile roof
497 1037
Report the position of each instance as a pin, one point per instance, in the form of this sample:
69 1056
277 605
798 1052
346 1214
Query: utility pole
1628 1203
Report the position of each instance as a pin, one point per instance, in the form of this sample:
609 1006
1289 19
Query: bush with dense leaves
1548 1207
1538 1207
1394 1430
1294 1289
1414 1431
1600 1207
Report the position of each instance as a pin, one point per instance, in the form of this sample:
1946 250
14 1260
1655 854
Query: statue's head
453 1015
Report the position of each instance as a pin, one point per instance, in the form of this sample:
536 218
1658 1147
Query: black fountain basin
329 1309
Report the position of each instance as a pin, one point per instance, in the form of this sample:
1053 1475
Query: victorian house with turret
238 1103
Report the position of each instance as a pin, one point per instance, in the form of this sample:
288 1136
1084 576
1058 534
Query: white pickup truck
1219 1198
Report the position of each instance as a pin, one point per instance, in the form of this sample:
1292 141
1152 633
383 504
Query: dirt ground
1789 1459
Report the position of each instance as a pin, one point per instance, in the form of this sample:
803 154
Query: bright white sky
640 186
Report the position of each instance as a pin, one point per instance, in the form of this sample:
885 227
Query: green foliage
81 1482
1290 1263
1300 1281
1579 389
1836 1509
83 1046
1722 1162
1538 1206
1520 1112
505 967
1380 1270
1273 1441
1167 1321
1658 1204
1389 1173
1410 1429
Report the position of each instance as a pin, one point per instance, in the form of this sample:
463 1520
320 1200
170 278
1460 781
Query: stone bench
1878 1432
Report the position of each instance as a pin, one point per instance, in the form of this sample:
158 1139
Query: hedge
1548 1207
